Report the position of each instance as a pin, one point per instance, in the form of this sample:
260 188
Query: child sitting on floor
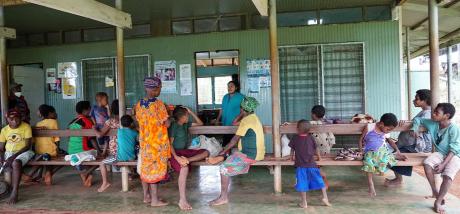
377 157
303 149
15 152
45 145
181 156
126 139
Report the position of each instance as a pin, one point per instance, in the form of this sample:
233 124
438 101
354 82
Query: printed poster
51 75
69 88
259 73
67 70
254 85
166 71
185 79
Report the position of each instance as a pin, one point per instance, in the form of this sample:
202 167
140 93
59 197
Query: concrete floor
251 193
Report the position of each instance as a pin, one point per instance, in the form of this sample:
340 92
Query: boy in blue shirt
446 159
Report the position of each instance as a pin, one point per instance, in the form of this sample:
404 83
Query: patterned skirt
378 161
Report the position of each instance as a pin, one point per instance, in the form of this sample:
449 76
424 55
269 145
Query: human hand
400 156
439 168
182 161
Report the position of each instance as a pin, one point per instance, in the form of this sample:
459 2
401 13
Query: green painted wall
382 68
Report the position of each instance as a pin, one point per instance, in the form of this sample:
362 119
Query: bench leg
277 180
124 178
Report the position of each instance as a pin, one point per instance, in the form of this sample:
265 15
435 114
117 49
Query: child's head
152 86
387 122
47 112
114 111
318 112
443 112
14 118
102 99
422 98
232 87
127 121
180 114
83 107
303 127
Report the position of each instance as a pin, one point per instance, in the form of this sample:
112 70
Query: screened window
72 36
205 25
230 23
378 13
182 27
331 75
297 18
99 34
344 15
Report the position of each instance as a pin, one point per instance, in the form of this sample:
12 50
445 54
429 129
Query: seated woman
181 156
409 144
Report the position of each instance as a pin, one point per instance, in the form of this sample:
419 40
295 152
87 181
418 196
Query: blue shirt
445 140
127 140
373 141
231 107
100 115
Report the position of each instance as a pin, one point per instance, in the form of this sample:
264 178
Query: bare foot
48 179
303 205
88 181
392 182
326 202
184 205
214 160
438 208
372 193
218 201
13 199
443 202
103 187
158 203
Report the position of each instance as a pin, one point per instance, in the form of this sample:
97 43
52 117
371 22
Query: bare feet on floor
158 203
392 182
326 202
103 187
214 160
443 202
218 201
184 205
372 193
438 208
13 199
303 205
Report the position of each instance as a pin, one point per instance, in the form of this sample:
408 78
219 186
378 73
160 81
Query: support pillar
120 66
3 72
434 52
450 95
276 112
409 77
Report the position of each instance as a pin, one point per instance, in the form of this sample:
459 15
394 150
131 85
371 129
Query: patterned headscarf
249 104
152 82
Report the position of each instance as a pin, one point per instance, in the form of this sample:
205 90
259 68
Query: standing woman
154 152
230 107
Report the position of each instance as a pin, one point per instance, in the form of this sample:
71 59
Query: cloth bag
78 158
211 144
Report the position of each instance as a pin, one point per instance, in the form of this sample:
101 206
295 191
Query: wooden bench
414 159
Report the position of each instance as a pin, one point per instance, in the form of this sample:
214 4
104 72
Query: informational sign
51 75
166 71
69 88
185 79
67 70
258 71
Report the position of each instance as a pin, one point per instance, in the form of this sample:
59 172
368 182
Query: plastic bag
285 149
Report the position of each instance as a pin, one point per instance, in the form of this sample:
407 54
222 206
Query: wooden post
124 178
276 112
434 52
409 78
4 92
449 75
120 66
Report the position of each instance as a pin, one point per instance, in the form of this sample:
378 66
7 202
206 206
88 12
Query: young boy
251 146
303 149
46 145
446 159
377 157
181 156
127 139
81 144
99 115
15 144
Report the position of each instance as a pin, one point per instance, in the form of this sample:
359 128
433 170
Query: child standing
15 152
377 157
181 156
46 145
99 115
303 149
81 144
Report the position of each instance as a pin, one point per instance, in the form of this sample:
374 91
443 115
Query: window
331 75
297 18
138 31
205 25
72 36
204 91
378 13
220 88
182 27
54 38
36 39
99 34
344 15
230 23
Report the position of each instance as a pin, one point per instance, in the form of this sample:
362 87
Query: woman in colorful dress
154 152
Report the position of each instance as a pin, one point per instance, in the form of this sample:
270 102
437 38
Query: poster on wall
69 88
51 75
258 71
185 71
67 70
166 71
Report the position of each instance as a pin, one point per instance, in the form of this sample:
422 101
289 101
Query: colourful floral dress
154 143
113 143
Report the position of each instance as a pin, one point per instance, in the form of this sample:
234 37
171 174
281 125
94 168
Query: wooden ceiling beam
4 3
451 35
424 8
90 9
262 6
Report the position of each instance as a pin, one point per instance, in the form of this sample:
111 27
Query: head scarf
249 104
12 113
152 82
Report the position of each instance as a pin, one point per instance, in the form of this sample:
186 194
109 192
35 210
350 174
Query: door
32 78
99 76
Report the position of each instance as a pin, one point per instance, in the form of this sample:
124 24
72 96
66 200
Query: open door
32 78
